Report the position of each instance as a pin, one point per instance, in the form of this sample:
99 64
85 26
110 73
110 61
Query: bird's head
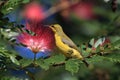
56 28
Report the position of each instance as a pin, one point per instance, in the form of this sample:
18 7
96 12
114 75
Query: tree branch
59 64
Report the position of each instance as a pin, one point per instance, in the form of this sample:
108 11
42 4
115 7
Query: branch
59 64
90 55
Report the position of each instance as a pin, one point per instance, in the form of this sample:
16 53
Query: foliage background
104 67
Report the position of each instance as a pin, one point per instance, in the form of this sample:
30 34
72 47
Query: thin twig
59 64
91 55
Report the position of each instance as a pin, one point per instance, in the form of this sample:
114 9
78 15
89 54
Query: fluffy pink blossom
84 10
34 11
42 39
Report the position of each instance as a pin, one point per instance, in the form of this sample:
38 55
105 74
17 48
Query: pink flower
42 40
33 11
84 10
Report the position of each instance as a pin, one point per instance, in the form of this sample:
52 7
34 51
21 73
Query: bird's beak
53 29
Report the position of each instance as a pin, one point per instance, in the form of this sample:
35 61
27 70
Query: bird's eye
52 26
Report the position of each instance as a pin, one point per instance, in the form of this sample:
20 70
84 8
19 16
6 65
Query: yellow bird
65 44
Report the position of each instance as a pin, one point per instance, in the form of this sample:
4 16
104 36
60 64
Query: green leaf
85 50
14 60
52 60
9 6
95 59
25 62
43 64
116 44
25 1
113 57
56 59
72 66
114 38
10 78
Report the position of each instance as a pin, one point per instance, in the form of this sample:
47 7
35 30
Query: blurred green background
81 20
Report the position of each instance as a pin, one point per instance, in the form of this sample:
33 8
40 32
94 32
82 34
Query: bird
65 44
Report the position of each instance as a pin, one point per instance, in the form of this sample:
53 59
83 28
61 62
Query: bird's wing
69 42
